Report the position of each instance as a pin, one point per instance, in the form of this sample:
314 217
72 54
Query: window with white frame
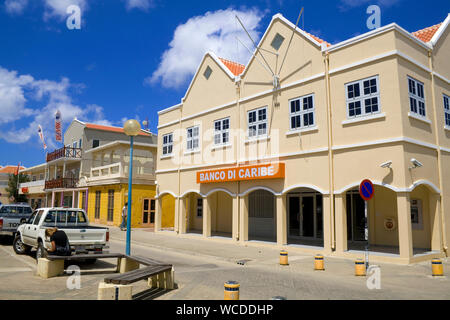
257 122
416 97
363 97
167 144
447 110
302 112
416 213
222 131
192 139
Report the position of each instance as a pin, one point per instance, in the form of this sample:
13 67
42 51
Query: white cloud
213 31
138 4
12 96
57 8
15 6
18 91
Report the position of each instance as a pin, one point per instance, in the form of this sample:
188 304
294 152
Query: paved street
201 268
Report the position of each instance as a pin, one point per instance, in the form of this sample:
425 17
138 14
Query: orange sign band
256 172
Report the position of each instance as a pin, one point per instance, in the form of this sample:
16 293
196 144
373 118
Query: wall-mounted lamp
416 164
386 164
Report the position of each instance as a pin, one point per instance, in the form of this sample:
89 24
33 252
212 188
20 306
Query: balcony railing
65 152
117 170
61 183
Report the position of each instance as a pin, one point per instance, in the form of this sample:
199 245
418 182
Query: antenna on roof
256 47
290 41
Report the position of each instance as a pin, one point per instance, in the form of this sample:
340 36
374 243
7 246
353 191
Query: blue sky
132 58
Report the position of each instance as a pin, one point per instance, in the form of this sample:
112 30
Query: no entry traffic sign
366 190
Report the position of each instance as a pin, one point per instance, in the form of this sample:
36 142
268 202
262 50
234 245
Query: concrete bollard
284 258
319 263
110 291
126 264
231 290
50 268
437 268
360 267
164 280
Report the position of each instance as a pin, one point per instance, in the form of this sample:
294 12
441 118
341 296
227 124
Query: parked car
83 238
12 215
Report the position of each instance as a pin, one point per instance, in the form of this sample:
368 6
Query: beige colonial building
276 150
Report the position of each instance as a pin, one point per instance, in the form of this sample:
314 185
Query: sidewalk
194 244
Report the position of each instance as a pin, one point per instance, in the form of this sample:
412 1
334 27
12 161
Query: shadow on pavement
152 293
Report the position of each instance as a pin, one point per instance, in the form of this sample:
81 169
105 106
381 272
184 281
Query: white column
158 214
340 208
73 199
281 220
243 219
206 217
404 225
235 219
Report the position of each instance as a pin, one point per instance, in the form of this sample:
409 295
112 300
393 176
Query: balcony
61 183
65 152
118 171
32 187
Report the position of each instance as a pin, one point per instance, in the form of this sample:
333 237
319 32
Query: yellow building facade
275 151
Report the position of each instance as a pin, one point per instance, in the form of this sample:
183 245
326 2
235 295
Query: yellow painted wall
140 192
383 205
422 236
221 215
168 211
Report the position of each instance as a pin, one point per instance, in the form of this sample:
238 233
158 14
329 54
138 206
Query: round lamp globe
132 128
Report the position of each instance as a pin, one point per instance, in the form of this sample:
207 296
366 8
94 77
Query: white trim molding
364 118
393 188
191 191
243 194
423 119
159 195
220 190
309 186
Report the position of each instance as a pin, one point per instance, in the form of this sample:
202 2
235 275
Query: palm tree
13 187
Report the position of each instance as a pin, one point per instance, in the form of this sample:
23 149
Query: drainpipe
238 154
439 156
180 154
330 150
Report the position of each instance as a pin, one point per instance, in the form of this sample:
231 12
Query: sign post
366 192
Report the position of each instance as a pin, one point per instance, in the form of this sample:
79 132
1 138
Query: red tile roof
427 34
110 129
318 39
234 67
10 169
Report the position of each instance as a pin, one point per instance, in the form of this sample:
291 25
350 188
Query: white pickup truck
73 221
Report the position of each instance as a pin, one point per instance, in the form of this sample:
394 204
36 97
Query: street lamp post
132 129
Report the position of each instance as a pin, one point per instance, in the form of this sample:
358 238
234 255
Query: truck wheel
41 252
19 247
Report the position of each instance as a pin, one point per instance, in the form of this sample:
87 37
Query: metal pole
366 234
130 184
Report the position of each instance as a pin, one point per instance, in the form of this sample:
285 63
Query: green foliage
13 190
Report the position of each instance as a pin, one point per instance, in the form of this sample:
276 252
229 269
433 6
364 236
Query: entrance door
294 216
307 221
148 213
355 217
303 213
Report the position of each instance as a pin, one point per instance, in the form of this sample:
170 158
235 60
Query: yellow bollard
437 268
284 258
231 290
319 263
360 268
